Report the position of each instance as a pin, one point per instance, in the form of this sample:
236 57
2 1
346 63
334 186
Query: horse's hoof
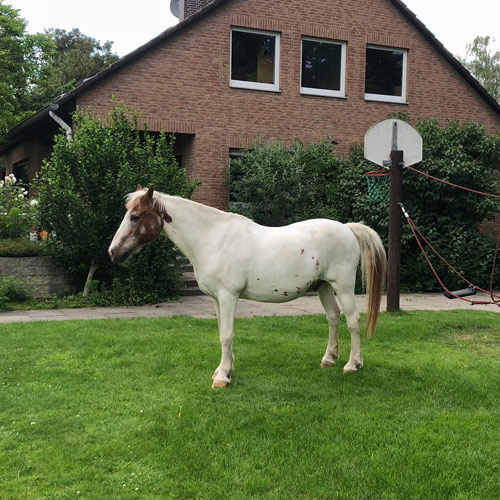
327 364
352 368
219 384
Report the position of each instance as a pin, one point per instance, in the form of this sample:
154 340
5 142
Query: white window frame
325 92
241 84
391 98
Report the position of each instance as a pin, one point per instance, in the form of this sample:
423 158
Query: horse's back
319 234
282 263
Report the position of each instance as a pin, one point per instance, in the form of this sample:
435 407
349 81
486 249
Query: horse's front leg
226 309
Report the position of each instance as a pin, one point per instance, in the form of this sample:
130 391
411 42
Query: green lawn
123 409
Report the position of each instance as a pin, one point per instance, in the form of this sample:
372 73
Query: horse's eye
134 218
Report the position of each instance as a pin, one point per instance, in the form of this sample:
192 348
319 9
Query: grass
122 409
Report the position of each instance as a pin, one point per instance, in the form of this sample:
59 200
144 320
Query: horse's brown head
142 224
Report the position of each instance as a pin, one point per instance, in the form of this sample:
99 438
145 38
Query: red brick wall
192 6
182 84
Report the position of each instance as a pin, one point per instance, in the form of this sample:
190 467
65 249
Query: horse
234 257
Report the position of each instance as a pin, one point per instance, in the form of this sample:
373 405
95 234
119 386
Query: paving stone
202 307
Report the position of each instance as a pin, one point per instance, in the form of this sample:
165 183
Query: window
385 77
255 59
20 171
323 67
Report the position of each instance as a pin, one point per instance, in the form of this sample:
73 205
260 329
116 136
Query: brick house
232 70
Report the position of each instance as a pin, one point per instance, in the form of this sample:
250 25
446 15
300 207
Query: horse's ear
147 197
139 187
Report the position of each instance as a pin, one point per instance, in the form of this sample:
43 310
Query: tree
81 191
484 65
37 68
24 66
76 56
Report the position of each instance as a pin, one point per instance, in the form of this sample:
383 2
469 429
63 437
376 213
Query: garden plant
16 210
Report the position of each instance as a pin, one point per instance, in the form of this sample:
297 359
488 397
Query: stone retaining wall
41 276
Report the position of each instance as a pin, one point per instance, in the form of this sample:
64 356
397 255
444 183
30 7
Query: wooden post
394 247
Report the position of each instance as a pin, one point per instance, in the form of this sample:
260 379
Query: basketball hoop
379 186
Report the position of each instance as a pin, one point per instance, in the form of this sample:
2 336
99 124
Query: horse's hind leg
328 301
217 312
226 311
346 297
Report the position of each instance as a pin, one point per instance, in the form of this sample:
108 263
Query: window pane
253 57
321 65
384 72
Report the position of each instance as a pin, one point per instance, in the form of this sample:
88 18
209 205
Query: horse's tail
373 267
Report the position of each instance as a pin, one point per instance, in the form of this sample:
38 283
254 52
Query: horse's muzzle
118 258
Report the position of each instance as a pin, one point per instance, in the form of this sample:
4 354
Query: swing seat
460 293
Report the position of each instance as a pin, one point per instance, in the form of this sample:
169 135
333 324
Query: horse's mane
132 199
160 200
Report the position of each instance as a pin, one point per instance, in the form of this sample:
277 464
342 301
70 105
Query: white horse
234 257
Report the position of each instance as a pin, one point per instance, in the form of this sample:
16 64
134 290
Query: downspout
61 122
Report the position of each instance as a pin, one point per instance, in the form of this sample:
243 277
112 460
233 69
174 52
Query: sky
130 24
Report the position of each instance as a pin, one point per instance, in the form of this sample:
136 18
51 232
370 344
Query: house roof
401 6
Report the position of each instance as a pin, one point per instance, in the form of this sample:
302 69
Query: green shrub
449 218
270 177
275 184
22 248
12 290
150 276
81 191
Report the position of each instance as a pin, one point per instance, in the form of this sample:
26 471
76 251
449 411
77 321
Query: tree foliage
81 191
484 64
23 67
76 57
37 68
271 182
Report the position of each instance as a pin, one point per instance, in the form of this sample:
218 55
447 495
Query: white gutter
63 124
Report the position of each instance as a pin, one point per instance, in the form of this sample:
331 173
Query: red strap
454 185
415 230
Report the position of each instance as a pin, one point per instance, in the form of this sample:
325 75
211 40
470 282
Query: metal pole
394 249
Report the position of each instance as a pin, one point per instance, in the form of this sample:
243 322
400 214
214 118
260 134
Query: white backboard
391 134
